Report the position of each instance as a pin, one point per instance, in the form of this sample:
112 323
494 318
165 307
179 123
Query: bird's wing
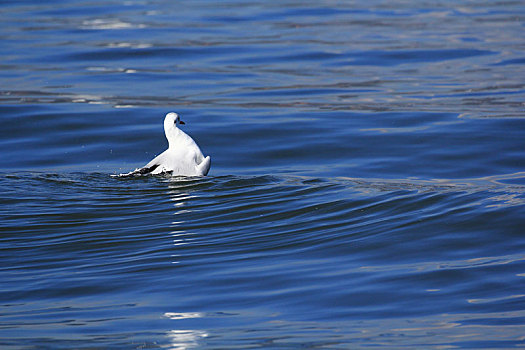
148 168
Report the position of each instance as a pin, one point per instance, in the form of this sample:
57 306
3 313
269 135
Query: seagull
182 158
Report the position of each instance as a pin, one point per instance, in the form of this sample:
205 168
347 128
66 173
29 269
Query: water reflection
109 23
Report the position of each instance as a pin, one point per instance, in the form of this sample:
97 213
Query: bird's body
182 158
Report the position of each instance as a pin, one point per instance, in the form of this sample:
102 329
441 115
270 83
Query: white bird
183 157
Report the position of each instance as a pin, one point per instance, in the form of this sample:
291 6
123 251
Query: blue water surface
367 187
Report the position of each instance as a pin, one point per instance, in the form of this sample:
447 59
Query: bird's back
184 157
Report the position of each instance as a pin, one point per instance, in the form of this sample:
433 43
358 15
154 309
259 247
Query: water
367 187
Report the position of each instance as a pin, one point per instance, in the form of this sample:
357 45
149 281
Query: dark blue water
367 187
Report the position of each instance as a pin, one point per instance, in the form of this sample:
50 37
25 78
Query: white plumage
183 157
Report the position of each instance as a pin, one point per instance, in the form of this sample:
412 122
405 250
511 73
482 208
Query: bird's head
171 119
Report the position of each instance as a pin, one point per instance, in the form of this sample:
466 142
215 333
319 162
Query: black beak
181 122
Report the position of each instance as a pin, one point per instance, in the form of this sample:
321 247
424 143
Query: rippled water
367 187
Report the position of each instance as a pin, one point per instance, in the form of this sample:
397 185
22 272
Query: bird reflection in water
179 195
181 339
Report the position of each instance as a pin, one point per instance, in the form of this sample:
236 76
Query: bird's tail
204 166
